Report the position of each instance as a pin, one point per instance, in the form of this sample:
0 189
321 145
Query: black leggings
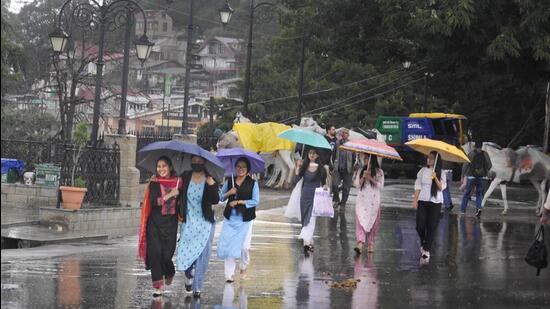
427 218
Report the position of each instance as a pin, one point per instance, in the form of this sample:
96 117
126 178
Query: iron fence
99 165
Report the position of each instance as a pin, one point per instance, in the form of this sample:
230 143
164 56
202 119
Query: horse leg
283 173
540 190
489 191
504 198
288 167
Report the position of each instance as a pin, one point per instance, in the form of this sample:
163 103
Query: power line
358 101
362 93
333 88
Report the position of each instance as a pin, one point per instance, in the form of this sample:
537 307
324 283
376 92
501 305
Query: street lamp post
425 104
110 16
301 82
225 16
188 60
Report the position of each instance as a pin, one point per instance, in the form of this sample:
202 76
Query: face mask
197 167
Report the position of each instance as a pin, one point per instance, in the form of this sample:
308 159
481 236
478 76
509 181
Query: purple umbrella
229 157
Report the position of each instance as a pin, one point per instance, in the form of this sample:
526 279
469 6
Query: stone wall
114 222
34 196
129 174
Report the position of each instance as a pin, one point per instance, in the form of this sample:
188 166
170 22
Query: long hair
169 163
438 164
373 169
307 161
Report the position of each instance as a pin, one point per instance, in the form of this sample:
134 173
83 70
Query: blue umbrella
180 153
305 137
229 156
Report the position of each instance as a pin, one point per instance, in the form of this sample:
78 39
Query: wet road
475 264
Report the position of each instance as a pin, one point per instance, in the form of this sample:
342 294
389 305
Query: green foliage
489 59
80 182
81 135
27 124
12 54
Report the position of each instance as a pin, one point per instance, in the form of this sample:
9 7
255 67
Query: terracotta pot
72 197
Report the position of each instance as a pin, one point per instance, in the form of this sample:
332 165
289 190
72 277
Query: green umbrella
305 137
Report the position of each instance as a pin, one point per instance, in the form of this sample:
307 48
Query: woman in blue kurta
243 195
197 230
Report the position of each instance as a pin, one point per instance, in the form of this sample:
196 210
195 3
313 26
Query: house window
220 49
165 27
212 48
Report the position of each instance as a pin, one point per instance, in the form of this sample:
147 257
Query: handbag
537 256
322 204
293 207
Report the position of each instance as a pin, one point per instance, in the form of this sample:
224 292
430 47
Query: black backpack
537 256
479 165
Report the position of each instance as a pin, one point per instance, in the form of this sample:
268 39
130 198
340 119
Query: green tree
489 59
12 56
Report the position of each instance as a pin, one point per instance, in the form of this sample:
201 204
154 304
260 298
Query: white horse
505 170
280 162
533 164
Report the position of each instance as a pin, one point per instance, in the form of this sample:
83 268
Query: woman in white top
427 200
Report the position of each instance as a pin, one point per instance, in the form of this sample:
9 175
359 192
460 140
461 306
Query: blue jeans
201 264
478 183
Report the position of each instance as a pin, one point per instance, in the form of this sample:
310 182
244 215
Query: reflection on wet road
474 264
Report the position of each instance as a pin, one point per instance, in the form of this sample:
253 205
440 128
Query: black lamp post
425 103
225 16
188 63
107 16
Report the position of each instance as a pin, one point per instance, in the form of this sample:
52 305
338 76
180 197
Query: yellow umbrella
446 151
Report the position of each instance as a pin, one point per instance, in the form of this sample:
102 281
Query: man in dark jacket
343 173
473 174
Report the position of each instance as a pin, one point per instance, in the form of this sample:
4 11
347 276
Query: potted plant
73 195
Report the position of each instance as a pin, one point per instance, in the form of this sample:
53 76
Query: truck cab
397 130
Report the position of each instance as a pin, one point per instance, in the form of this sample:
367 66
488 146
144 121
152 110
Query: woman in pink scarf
367 207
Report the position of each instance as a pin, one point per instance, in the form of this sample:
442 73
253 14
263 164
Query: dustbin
48 175
11 168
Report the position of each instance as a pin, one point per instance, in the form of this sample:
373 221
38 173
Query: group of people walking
339 169
189 199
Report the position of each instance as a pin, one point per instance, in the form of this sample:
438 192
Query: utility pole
125 71
188 60
301 80
212 113
425 104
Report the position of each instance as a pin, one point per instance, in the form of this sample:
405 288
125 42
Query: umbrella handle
435 161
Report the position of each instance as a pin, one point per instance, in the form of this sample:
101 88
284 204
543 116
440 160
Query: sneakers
188 283
157 292
357 250
197 294
370 249
478 213
425 254
230 280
